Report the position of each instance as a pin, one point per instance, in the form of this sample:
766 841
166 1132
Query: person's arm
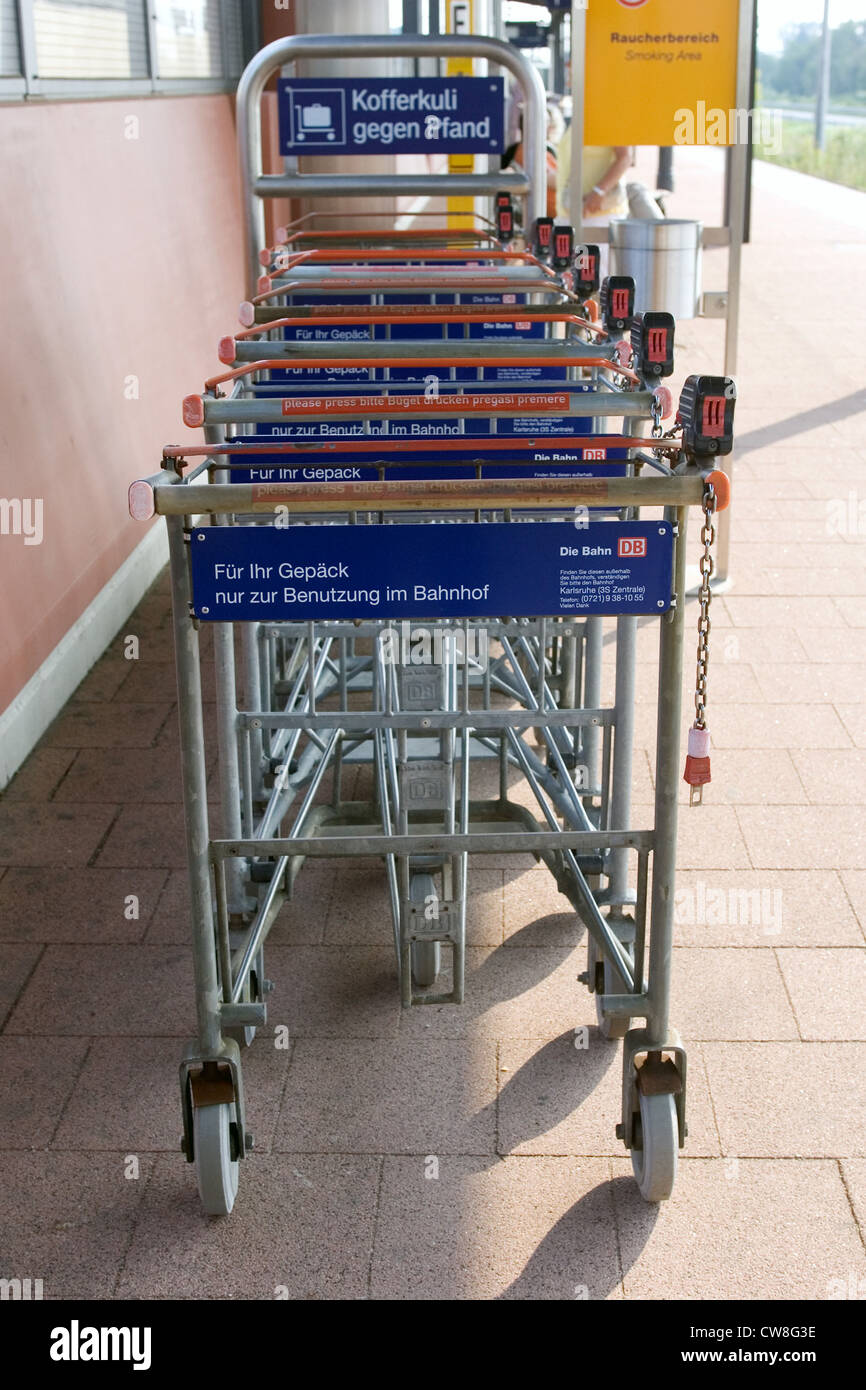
592 200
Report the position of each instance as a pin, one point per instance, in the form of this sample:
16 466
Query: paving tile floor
470 1153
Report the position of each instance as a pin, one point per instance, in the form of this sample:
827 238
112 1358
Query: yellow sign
460 19
661 72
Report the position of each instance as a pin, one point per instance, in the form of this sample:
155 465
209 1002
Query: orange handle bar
364 363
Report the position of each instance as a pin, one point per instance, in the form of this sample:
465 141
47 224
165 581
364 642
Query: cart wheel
215 1169
656 1146
426 962
606 982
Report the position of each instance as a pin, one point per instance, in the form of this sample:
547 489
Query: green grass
843 159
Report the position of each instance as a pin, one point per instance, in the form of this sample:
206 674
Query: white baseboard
25 720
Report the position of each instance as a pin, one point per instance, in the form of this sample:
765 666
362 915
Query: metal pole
578 61
823 81
667 792
194 779
739 164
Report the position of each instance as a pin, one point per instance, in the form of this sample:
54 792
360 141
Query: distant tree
794 72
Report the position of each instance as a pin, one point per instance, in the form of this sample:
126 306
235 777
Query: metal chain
656 412
706 567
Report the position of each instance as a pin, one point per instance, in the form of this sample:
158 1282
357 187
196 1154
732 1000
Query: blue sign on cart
391 115
461 570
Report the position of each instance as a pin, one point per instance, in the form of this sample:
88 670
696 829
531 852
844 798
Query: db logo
595 453
631 545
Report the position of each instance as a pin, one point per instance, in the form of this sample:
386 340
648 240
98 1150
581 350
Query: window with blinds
188 39
10 52
90 38
84 47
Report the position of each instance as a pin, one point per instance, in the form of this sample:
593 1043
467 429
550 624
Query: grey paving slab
763 907
113 725
827 990
81 905
736 1229
411 1095
16 965
107 991
509 1228
39 775
67 1219
302 1228
564 1096
54 835
38 1076
128 1097
830 838
789 1099
732 994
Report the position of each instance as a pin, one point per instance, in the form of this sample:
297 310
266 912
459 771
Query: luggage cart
309 697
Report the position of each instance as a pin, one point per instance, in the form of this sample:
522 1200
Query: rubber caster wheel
216 1170
656 1147
426 962
606 982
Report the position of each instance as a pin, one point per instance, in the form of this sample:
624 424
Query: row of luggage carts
442 482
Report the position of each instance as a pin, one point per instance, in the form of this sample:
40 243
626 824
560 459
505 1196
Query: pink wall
120 257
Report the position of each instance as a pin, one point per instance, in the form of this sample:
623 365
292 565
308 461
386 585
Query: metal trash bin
664 259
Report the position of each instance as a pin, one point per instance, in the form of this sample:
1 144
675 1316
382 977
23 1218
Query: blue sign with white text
391 115
461 570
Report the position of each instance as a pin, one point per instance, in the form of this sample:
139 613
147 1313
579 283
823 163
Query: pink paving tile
127 1097
104 680
39 776
302 1228
52 835
334 991
38 1075
537 914
763 907
115 725
412 1095
789 1099
852 609
854 1177
751 777
831 778
797 837
513 992
827 988
106 991
510 1228
854 883
84 905
731 994
560 1098
784 612
16 965
67 1219
147 774
820 682
836 645
149 834
770 726
737 1229
709 837
854 719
